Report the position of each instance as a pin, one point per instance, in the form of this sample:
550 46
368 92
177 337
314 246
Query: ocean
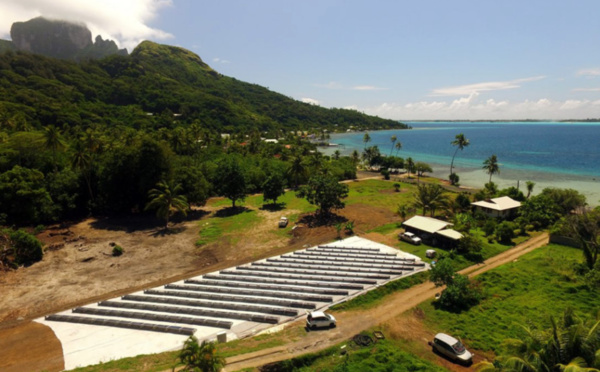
551 154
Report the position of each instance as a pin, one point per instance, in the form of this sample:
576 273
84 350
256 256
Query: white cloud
590 72
586 90
222 61
466 90
473 108
310 101
125 21
366 87
336 85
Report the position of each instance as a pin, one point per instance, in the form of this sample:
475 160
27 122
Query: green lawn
385 355
526 292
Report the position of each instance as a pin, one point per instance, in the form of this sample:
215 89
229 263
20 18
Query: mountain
60 39
147 88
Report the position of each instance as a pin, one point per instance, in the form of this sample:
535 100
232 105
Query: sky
397 59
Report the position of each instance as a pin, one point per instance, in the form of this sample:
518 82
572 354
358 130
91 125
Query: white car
319 319
410 237
451 348
283 222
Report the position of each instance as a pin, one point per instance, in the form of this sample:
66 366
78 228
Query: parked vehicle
410 237
283 222
320 319
451 348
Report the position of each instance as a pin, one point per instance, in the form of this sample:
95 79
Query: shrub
489 227
27 248
117 251
38 229
397 187
505 232
386 174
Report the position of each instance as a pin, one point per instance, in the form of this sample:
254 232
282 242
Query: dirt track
352 322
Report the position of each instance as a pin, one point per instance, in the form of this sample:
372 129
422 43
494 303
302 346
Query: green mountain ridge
146 88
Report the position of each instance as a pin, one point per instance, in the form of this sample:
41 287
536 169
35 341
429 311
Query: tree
410 165
165 199
355 157
366 139
530 186
430 197
229 179
273 187
81 159
491 166
460 292
393 139
460 141
53 140
23 197
297 171
421 168
570 344
200 357
325 192
371 155
585 228
398 147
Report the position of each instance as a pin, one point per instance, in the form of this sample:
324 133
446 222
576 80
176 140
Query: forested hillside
97 137
145 89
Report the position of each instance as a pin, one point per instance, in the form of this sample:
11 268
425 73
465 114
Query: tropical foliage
200 357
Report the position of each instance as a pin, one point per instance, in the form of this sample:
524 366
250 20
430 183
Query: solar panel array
269 291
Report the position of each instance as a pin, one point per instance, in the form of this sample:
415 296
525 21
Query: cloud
473 108
590 72
336 85
586 90
125 21
466 90
367 87
222 61
310 101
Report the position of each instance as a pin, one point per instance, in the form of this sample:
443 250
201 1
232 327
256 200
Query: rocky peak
60 39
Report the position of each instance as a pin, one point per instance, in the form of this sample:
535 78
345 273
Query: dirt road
353 322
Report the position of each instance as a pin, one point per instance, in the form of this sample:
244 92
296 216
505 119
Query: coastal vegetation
460 141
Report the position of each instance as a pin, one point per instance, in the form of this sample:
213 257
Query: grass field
526 292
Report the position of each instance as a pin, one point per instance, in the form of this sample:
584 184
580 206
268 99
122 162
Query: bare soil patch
43 352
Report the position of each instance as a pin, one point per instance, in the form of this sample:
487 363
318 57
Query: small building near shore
504 207
433 231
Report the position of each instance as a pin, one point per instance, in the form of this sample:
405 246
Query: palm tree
571 345
393 139
366 139
53 142
410 164
297 170
398 147
200 357
165 199
491 166
355 157
430 197
81 159
530 186
460 141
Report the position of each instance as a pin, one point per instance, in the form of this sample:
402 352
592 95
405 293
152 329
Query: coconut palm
393 139
53 141
491 166
460 141
430 197
570 345
200 357
530 186
366 139
355 157
410 164
165 199
297 171
398 147
81 159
